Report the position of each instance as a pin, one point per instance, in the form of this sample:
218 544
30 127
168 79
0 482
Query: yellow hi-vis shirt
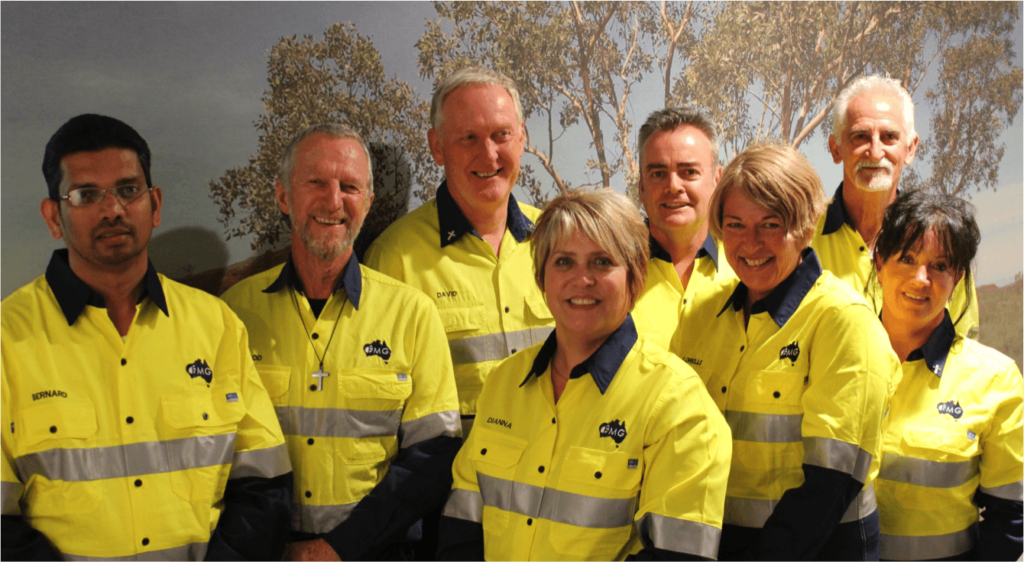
122 448
388 382
842 251
954 428
634 455
490 305
665 304
806 382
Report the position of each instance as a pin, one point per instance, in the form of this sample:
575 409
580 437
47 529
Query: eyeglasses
91 195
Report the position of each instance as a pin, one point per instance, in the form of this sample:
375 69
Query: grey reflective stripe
863 505
680 535
338 422
261 463
764 428
927 547
429 427
556 505
1012 492
747 512
930 474
11 493
320 519
491 347
194 551
838 455
119 461
465 504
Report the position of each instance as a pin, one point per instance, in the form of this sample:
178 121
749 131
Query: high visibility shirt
490 305
805 383
635 456
954 430
842 250
383 395
665 304
123 447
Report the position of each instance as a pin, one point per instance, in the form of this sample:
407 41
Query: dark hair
88 133
914 213
670 119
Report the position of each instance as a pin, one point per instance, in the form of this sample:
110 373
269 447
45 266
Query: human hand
316 549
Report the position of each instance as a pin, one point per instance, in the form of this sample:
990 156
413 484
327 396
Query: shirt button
483 451
684 301
506 309
145 542
776 394
206 416
723 390
540 469
53 429
309 494
130 419
310 441
514 350
597 474
742 347
312 387
552 420
315 336
862 248
138 483
124 361
529 521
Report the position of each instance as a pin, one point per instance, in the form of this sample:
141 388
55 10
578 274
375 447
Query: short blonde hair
608 218
777 178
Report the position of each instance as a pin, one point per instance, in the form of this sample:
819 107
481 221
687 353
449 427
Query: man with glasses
134 422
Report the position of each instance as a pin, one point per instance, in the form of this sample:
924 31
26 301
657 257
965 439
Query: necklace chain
305 329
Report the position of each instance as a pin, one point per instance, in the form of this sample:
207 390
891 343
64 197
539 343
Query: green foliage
337 79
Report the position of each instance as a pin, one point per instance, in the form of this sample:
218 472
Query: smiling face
328 196
586 290
757 245
480 143
917 284
875 145
108 232
678 178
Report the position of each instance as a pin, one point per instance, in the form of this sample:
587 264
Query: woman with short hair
799 365
593 445
953 436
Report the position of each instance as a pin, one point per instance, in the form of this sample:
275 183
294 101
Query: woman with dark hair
594 445
953 437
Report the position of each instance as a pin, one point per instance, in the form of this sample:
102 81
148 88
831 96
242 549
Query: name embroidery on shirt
791 352
379 348
200 369
694 361
501 422
615 429
443 294
953 409
49 394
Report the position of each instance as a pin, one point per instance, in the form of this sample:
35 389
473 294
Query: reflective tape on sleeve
1013 491
927 547
863 505
838 455
930 474
556 505
261 463
430 426
747 512
338 422
680 535
11 494
492 347
320 519
764 428
119 461
465 504
194 551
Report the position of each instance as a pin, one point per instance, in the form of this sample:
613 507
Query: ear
50 210
434 140
833 149
959 276
911 150
156 196
281 194
368 206
718 175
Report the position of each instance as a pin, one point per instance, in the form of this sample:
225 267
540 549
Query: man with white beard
873 137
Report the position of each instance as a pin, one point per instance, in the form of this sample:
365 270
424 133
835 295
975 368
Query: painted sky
189 77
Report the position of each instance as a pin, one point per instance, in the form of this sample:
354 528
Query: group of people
494 381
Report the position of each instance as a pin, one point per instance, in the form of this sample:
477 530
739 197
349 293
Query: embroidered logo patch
232 396
200 369
971 435
49 394
614 429
378 348
402 377
954 410
633 463
791 351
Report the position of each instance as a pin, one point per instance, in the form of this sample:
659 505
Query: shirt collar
836 216
708 248
73 294
351 280
602 364
936 349
786 297
454 224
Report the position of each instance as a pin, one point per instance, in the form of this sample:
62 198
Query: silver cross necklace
319 374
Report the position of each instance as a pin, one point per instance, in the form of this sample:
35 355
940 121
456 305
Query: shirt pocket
597 501
941 462
61 437
277 380
372 403
199 445
495 457
781 390
461 318
538 307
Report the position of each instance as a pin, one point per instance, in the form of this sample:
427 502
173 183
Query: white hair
336 130
863 84
467 76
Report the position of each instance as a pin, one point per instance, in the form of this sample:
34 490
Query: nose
875 151
921 275
110 205
675 183
490 148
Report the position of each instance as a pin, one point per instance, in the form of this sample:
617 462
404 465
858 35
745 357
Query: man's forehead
685 144
85 164
877 105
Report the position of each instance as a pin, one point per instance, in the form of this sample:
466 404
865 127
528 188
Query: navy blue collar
835 216
454 223
708 248
786 297
73 294
936 349
351 280
602 365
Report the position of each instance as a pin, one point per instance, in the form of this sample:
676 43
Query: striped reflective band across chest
492 347
556 505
